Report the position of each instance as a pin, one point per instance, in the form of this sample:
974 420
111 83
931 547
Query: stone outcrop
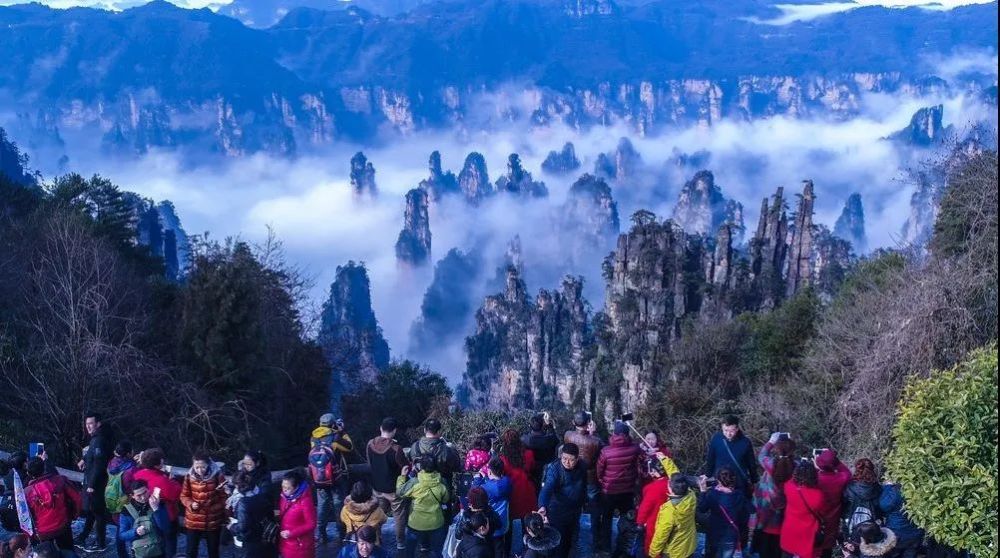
349 333
363 177
588 223
851 224
800 250
619 165
658 278
473 181
563 161
518 181
413 247
701 208
925 129
440 183
527 353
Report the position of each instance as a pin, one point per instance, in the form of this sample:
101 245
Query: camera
818 451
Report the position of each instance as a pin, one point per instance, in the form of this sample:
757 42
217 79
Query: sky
791 11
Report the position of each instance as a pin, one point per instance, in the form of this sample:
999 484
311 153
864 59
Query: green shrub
945 453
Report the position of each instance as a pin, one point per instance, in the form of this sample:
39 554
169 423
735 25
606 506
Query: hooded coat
543 544
427 494
204 492
53 504
170 490
355 515
386 460
891 504
832 484
654 495
617 467
447 459
297 515
861 500
675 533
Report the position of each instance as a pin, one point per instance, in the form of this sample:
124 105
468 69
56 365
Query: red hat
827 460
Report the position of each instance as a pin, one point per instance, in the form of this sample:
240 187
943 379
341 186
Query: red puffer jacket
170 490
53 503
617 468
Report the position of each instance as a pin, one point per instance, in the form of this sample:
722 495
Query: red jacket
654 495
523 496
298 517
799 527
54 503
170 490
832 484
617 469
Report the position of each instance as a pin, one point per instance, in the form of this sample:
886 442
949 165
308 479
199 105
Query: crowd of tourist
538 485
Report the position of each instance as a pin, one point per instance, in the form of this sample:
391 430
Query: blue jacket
737 505
498 491
744 465
563 492
126 527
891 503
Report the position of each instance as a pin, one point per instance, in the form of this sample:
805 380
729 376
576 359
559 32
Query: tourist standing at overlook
54 504
386 460
777 458
446 460
167 491
296 517
563 496
94 464
584 437
675 534
833 477
728 510
329 446
541 440
731 448
617 474
204 504
802 532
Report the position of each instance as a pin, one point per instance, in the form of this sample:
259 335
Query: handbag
820 537
269 531
451 540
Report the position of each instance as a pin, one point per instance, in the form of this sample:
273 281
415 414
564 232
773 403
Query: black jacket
859 495
543 445
474 546
250 512
543 545
100 450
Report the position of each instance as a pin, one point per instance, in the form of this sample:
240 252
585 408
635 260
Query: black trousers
211 539
609 504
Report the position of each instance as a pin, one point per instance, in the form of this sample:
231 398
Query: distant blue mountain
159 75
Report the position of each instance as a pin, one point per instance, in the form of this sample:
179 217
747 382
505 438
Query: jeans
211 539
610 503
170 540
723 550
398 508
328 503
425 544
596 515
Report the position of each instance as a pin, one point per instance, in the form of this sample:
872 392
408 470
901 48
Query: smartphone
35 449
627 417
818 451
156 492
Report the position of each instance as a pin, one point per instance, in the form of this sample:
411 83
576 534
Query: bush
945 454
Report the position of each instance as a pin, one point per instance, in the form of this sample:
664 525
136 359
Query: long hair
783 453
726 477
865 471
511 448
805 474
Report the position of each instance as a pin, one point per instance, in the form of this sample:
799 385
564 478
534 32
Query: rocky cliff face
349 334
925 129
851 224
363 177
518 181
413 247
657 278
159 228
527 353
563 161
440 183
701 208
588 220
473 181
619 165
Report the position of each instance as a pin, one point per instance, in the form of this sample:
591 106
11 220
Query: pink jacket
476 460
298 516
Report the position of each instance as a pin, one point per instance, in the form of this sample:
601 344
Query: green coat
427 493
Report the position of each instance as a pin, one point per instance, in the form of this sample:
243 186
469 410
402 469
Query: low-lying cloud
309 204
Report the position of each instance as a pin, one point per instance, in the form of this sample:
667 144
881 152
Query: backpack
114 494
148 545
325 466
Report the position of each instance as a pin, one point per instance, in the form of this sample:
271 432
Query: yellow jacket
675 533
324 435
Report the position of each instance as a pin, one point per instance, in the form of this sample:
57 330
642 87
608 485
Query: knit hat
827 460
621 427
367 534
478 498
326 420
